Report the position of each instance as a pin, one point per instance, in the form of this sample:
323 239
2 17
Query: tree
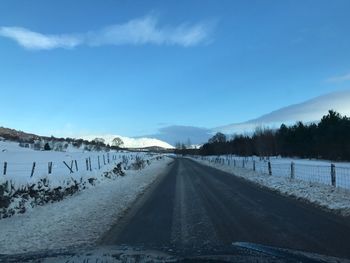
37 145
178 145
117 142
218 138
189 144
47 147
98 141
328 139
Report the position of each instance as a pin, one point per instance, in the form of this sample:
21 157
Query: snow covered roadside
331 198
77 220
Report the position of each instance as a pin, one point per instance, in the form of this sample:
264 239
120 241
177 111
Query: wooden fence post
243 163
76 165
254 165
104 160
69 167
107 157
50 167
98 162
87 164
5 168
292 170
333 177
33 169
270 169
90 164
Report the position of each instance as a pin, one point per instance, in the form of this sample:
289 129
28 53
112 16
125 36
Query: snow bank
326 196
80 219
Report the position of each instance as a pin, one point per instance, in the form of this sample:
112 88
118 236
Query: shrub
138 164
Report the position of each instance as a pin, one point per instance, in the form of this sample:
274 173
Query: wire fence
329 174
65 165
73 165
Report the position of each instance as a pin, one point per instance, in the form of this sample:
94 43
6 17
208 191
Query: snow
309 170
77 220
21 192
6 146
131 142
336 199
20 162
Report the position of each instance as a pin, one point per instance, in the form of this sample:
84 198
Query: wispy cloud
145 30
340 78
33 40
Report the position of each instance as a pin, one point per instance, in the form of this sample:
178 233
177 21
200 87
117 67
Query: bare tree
117 142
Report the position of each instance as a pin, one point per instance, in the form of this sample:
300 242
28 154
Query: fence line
336 176
72 166
69 165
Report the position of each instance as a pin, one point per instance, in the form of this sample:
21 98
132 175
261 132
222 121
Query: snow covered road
79 220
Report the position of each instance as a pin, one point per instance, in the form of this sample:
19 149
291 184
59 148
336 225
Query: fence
330 174
21 169
89 163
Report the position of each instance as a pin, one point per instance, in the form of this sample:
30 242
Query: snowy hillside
131 142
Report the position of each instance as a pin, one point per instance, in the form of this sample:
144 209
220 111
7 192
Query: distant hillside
132 142
14 135
37 142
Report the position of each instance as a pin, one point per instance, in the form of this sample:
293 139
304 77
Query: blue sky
133 68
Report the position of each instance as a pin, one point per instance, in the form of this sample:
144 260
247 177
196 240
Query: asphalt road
195 207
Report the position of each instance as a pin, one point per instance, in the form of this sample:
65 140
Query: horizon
167 71
247 128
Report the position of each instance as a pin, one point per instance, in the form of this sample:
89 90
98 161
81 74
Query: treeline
329 139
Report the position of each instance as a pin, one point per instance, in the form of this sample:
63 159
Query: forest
327 139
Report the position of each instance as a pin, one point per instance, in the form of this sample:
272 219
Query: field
29 178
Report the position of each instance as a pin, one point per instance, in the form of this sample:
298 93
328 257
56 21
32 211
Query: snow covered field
77 220
29 178
19 163
316 191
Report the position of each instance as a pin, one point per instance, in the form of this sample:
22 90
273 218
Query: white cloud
339 78
32 40
139 31
308 111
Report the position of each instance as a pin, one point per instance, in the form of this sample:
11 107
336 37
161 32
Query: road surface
195 207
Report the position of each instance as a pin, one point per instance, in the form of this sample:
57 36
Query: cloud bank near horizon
180 133
139 31
308 111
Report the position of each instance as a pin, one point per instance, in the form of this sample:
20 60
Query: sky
159 68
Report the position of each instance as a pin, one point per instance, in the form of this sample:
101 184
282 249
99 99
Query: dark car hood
240 252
